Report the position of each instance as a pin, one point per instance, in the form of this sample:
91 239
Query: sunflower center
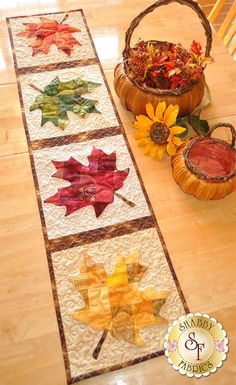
159 133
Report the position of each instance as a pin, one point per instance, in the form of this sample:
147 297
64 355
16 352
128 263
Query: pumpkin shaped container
205 167
134 96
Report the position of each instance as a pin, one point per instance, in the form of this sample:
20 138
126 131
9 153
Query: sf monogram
196 345
192 344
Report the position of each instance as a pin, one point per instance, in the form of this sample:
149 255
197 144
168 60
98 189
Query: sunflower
156 132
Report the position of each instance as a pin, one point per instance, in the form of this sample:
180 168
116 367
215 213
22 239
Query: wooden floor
207 7
200 236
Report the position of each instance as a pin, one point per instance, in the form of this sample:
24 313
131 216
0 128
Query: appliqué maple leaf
93 185
49 32
60 97
113 303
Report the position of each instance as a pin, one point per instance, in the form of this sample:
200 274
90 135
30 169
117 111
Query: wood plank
12 135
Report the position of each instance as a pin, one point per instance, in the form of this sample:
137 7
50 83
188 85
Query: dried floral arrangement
166 65
154 71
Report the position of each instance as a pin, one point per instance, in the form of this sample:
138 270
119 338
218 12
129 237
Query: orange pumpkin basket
134 96
205 167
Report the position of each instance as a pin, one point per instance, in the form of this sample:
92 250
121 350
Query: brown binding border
70 379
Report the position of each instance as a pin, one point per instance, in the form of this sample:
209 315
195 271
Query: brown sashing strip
56 66
70 379
75 138
101 233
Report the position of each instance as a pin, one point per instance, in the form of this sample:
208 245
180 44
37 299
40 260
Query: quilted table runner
115 290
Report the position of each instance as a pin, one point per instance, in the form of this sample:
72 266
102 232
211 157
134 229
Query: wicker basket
205 167
134 96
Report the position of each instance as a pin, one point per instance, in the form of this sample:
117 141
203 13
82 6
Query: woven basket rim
159 91
203 175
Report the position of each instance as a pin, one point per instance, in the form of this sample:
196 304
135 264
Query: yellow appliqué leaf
113 303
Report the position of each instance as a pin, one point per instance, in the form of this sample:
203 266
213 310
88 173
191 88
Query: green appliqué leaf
201 127
60 97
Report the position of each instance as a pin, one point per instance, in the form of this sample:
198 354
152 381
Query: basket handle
232 129
190 3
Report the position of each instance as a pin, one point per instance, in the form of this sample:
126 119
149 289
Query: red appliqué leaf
92 185
50 32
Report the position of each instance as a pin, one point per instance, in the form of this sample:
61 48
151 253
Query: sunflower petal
161 151
160 108
154 151
177 141
150 111
143 142
137 125
170 149
170 115
175 130
142 121
142 134
148 149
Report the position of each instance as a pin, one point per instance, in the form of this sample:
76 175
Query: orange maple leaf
196 48
50 32
113 303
